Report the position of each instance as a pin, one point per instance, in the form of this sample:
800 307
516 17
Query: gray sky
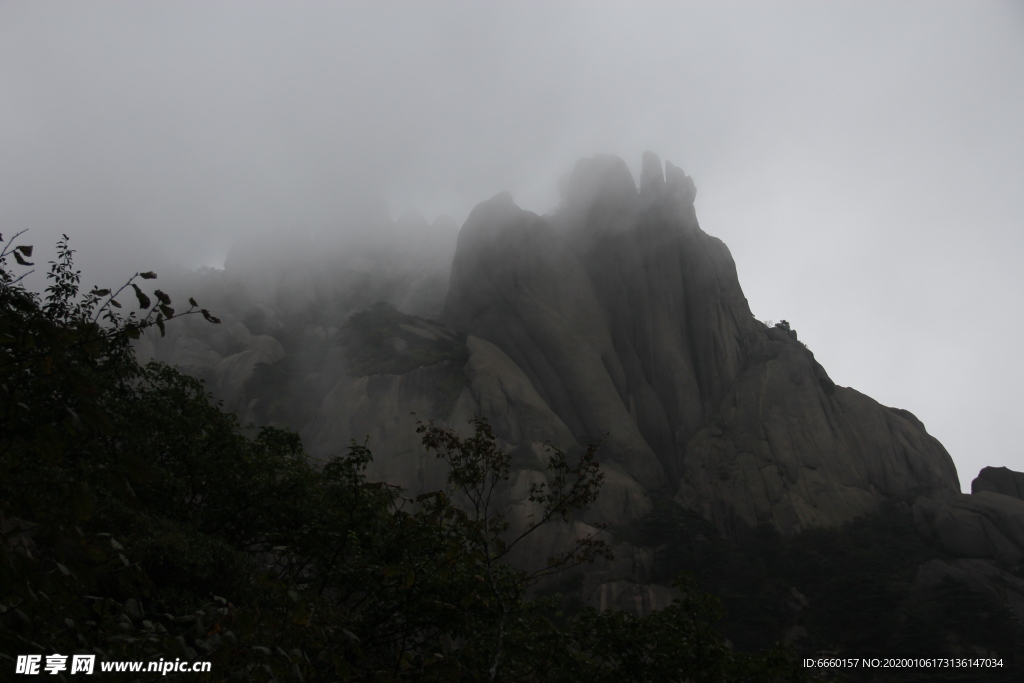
863 161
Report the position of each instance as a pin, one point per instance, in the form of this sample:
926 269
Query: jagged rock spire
652 180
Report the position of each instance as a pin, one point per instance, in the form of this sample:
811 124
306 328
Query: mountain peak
602 178
652 179
633 324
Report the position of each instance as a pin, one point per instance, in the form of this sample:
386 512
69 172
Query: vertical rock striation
613 319
629 321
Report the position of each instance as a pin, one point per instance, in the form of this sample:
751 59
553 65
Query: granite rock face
629 321
999 480
615 319
983 531
983 525
986 524
980 576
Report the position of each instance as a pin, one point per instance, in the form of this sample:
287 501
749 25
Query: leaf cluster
138 521
849 590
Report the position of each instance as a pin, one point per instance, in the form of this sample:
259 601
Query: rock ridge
615 319
629 319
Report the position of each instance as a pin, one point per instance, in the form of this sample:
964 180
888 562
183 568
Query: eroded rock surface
615 319
983 525
999 480
983 532
628 320
980 576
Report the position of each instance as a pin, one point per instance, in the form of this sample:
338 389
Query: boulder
999 480
983 525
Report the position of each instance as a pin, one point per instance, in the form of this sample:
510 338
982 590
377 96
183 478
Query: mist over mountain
606 349
397 212
851 164
614 319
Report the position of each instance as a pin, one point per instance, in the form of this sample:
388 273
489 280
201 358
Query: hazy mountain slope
726 448
614 319
628 319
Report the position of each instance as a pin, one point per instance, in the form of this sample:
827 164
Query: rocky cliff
614 319
629 321
980 534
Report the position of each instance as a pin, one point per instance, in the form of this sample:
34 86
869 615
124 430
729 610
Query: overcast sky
863 161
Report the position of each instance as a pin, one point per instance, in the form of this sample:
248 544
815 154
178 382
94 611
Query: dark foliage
848 590
139 522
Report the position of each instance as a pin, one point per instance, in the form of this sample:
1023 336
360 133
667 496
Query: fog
864 162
